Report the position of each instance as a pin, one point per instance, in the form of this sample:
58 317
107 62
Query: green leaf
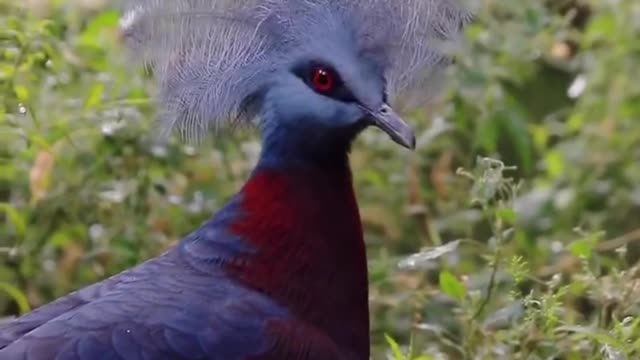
22 92
15 217
451 286
95 96
395 348
584 247
514 122
18 296
509 216
601 28
555 164
107 21
581 248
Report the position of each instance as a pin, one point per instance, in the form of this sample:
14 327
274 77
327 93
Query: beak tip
412 143
392 124
409 142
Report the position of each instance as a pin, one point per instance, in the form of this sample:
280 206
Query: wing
164 309
11 331
182 305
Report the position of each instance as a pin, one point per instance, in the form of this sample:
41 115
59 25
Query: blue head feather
254 61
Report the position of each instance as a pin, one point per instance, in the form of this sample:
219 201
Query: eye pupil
323 80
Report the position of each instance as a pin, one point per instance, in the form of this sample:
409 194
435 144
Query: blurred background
513 232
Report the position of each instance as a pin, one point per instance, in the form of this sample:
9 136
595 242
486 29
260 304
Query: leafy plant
531 253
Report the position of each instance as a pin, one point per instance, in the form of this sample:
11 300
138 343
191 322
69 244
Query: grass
511 233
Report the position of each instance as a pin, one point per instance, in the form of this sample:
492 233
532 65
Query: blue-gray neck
287 146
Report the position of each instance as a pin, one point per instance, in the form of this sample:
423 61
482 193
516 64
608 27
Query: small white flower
577 87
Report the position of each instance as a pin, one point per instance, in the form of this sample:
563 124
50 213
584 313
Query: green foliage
451 286
534 260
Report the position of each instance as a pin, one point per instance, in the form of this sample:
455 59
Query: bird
280 271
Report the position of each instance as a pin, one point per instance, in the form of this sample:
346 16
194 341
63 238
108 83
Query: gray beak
391 123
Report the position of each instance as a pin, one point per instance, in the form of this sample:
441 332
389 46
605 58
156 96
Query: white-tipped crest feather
208 55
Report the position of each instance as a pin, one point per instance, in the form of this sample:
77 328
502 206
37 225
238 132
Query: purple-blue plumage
163 309
266 278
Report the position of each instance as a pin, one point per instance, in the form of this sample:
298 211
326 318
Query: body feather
220 294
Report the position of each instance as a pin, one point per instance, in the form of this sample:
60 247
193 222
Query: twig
490 286
619 241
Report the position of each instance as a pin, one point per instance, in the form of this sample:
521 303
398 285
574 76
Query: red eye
323 80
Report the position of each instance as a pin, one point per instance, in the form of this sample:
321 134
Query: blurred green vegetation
535 262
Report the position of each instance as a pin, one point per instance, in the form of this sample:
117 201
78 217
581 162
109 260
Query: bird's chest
309 252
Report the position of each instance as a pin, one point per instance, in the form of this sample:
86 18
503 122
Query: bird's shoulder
181 305
164 308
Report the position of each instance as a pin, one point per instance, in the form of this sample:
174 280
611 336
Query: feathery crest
209 55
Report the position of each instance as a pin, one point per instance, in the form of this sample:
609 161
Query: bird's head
309 70
328 88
